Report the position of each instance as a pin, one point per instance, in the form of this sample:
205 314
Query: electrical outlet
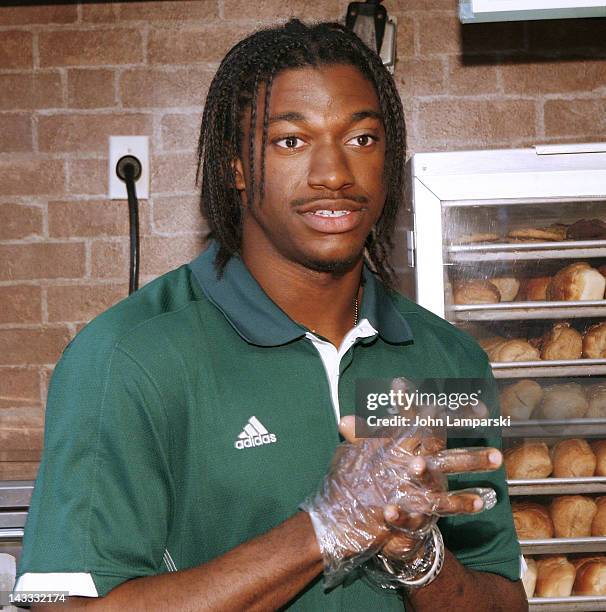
119 146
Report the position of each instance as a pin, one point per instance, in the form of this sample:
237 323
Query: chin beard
335 267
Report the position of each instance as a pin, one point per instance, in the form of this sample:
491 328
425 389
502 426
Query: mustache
359 199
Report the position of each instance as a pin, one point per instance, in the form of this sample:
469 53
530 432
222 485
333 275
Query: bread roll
555 577
572 515
594 341
528 460
598 525
520 399
557 231
534 289
562 342
508 287
590 576
565 401
599 449
587 229
573 459
475 292
532 521
475 238
596 398
578 281
529 577
514 350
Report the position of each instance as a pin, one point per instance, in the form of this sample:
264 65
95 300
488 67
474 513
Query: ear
238 169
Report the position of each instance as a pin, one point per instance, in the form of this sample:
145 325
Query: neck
321 301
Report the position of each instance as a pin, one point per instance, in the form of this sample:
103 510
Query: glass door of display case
510 246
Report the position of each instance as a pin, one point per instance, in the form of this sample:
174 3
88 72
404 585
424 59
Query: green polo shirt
195 415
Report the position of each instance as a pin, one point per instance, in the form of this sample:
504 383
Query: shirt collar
259 321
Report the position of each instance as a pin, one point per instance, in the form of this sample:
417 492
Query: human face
324 164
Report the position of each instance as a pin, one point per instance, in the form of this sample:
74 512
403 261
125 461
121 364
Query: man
187 424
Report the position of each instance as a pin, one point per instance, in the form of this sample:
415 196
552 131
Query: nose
329 168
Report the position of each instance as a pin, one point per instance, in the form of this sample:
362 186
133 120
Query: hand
377 487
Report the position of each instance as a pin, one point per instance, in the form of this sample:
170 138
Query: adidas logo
254 434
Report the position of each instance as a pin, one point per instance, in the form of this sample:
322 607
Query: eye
289 142
363 140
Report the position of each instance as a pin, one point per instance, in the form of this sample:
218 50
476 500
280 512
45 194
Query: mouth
333 218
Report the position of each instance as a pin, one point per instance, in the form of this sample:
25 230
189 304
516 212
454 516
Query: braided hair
234 90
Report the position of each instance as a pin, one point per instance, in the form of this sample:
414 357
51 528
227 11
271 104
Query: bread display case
510 246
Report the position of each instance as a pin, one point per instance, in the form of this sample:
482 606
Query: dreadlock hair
255 61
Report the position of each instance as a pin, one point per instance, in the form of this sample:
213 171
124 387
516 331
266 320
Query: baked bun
572 516
528 460
565 401
557 231
596 397
578 281
508 287
533 289
587 229
514 350
590 576
598 526
532 521
594 341
529 577
573 459
555 577
479 237
562 342
520 399
599 449
602 270
475 292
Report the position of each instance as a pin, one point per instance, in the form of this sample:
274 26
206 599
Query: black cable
128 169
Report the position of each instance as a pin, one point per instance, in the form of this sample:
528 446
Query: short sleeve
487 541
103 497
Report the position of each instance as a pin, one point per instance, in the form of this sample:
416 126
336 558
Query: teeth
331 213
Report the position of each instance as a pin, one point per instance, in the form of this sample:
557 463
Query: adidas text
255 441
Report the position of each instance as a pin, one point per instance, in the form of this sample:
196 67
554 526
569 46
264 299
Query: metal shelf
563 545
551 368
567 604
512 311
557 486
555 428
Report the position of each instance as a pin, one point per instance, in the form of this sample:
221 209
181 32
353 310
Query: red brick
457 121
88 88
71 303
423 5
88 176
439 33
110 259
41 260
16 130
93 218
270 9
172 173
180 132
405 41
144 88
25 15
20 304
32 346
88 132
417 77
186 45
553 76
103 12
471 76
31 91
179 10
90 47
16 48
20 385
32 177
179 215
584 118
159 254
21 429
19 470
17 221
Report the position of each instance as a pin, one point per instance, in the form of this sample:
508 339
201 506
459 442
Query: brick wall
72 74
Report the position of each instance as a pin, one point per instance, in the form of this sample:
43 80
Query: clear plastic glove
386 493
